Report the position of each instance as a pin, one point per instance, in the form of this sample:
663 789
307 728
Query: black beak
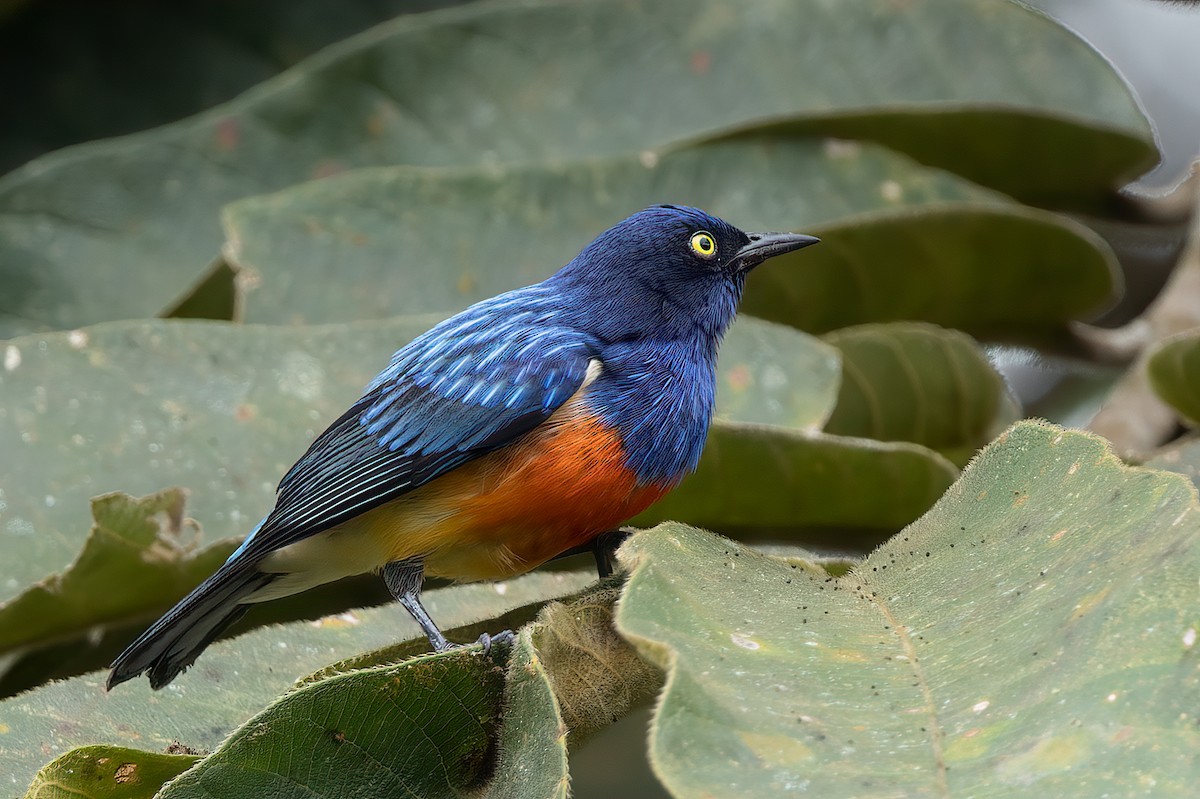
767 245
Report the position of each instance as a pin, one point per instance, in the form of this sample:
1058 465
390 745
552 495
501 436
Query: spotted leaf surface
108 772
1034 634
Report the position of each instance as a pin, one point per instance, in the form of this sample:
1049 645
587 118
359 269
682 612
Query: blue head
667 272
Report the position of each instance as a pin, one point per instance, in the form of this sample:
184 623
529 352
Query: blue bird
521 428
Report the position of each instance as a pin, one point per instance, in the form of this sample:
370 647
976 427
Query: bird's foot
504 638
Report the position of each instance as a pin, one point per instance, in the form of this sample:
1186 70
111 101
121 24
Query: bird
526 426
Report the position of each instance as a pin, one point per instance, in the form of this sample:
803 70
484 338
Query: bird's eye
703 244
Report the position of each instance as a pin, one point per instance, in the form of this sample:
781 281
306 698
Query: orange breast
561 486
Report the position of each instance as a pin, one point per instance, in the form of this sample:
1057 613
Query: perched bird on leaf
526 426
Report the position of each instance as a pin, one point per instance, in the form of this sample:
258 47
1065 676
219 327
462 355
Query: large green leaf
176 59
919 383
889 268
755 476
383 233
235 678
1034 635
143 543
423 728
140 406
383 229
108 772
770 374
494 83
531 749
1174 371
224 410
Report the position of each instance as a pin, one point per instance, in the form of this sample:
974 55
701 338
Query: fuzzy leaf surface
1034 634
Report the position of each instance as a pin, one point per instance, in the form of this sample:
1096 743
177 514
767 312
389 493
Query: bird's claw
505 638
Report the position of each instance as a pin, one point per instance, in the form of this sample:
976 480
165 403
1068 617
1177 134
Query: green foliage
946 275
1174 370
108 772
530 218
143 405
502 76
1045 601
1033 629
176 58
1005 639
919 383
238 677
139 554
423 727
755 476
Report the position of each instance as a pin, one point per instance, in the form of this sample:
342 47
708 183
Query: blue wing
468 386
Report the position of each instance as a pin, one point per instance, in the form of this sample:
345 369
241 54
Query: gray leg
403 578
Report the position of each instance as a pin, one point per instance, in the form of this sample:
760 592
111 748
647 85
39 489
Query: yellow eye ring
703 244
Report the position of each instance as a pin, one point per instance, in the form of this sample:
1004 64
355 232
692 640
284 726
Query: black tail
175 640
